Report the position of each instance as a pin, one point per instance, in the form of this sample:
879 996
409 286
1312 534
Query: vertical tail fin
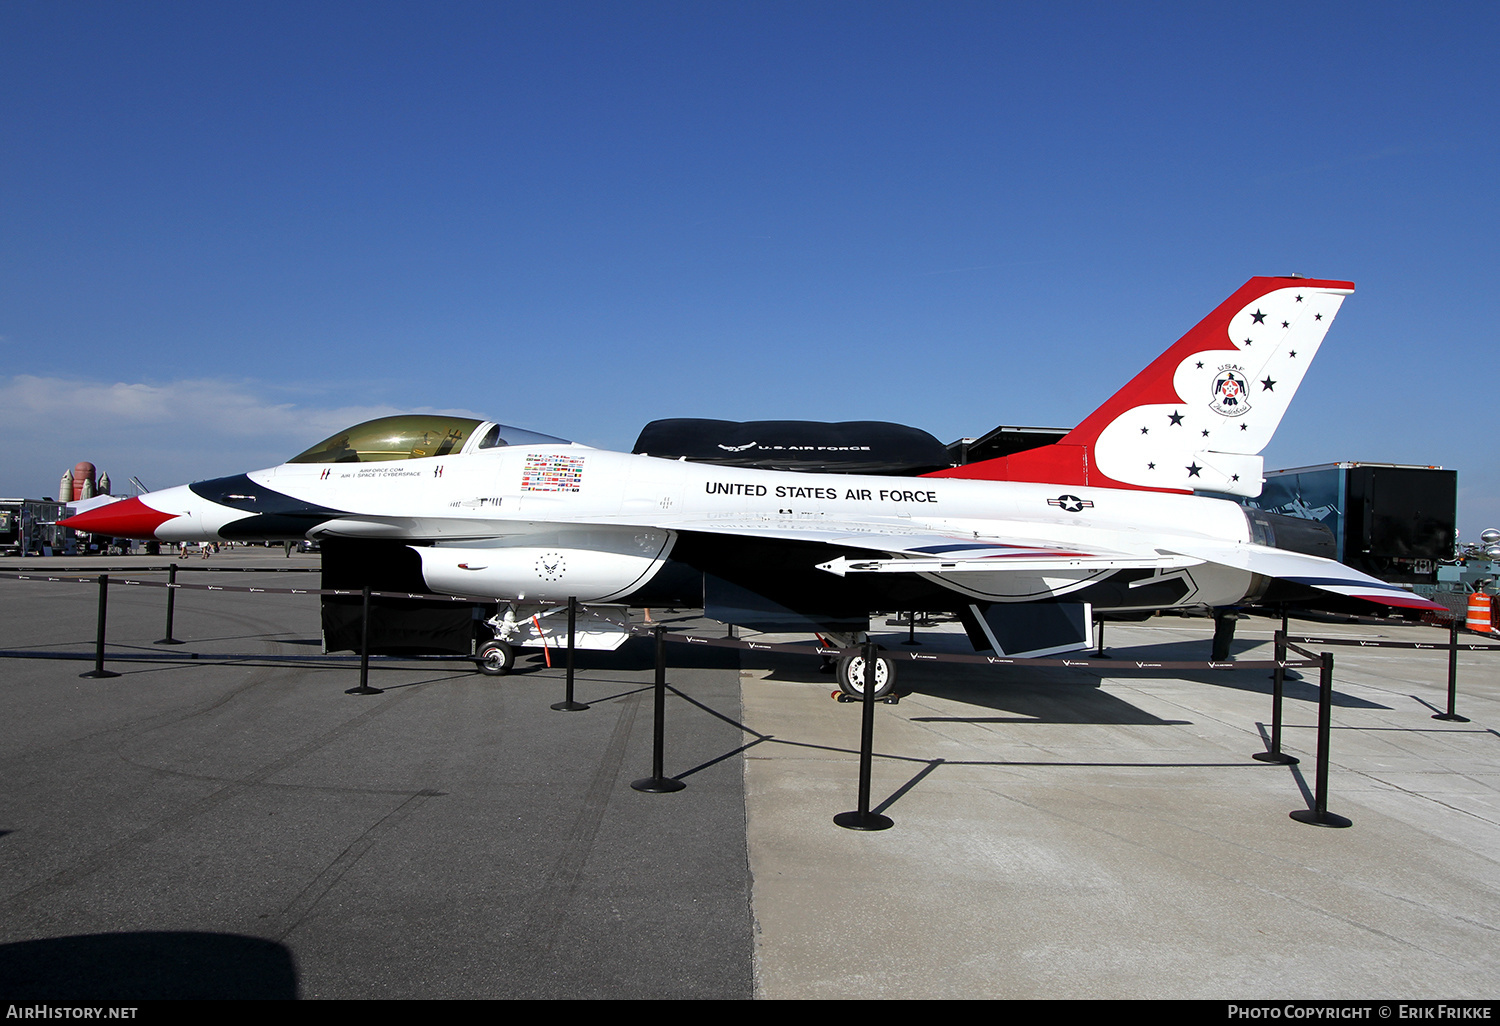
1199 415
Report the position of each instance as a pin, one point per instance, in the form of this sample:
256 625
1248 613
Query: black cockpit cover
850 447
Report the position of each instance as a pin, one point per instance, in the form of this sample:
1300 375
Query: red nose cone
128 518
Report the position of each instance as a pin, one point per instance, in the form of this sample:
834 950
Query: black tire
496 658
851 675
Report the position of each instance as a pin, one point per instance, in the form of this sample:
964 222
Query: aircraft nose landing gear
496 658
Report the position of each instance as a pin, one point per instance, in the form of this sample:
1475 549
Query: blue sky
229 229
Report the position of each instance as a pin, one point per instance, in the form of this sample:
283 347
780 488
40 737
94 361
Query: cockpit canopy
416 436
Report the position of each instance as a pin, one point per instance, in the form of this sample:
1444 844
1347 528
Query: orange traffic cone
1479 613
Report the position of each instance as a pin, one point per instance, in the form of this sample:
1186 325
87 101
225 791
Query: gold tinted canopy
407 437
414 436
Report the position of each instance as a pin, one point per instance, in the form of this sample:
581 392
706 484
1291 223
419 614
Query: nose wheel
496 658
851 676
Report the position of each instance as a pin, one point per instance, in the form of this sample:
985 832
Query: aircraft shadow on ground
1058 695
1300 685
147 966
1038 695
635 654
1024 694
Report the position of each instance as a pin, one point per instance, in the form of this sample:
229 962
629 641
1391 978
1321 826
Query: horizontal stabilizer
1308 571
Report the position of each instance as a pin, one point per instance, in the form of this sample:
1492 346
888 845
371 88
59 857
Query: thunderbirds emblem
1231 393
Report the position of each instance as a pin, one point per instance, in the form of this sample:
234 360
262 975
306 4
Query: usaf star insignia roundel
1231 392
1070 503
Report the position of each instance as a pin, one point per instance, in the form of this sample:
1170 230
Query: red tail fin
1200 414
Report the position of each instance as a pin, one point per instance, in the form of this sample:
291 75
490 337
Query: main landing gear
851 676
849 669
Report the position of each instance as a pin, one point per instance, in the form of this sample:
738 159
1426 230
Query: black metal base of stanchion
1279 758
657 785
1455 718
844 696
857 820
364 689
568 706
168 641
1328 819
98 674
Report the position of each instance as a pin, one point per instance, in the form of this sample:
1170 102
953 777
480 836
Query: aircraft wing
907 549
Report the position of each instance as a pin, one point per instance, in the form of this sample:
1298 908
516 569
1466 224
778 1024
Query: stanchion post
911 630
567 704
1452 713
1278 676
658 782
1286 674
171 605
572 635
862 818
99 671
364 651
1319 815
1099 652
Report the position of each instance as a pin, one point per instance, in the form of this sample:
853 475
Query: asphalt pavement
223 820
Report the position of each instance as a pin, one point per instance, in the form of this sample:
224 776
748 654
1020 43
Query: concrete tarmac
235 825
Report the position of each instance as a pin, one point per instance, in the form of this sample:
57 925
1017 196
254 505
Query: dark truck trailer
1395 522
10 527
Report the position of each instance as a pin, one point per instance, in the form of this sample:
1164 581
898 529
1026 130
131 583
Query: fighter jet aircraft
1025 548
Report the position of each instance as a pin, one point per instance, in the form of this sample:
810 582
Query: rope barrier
813 648
181 567
356 592
1376 643
788 648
